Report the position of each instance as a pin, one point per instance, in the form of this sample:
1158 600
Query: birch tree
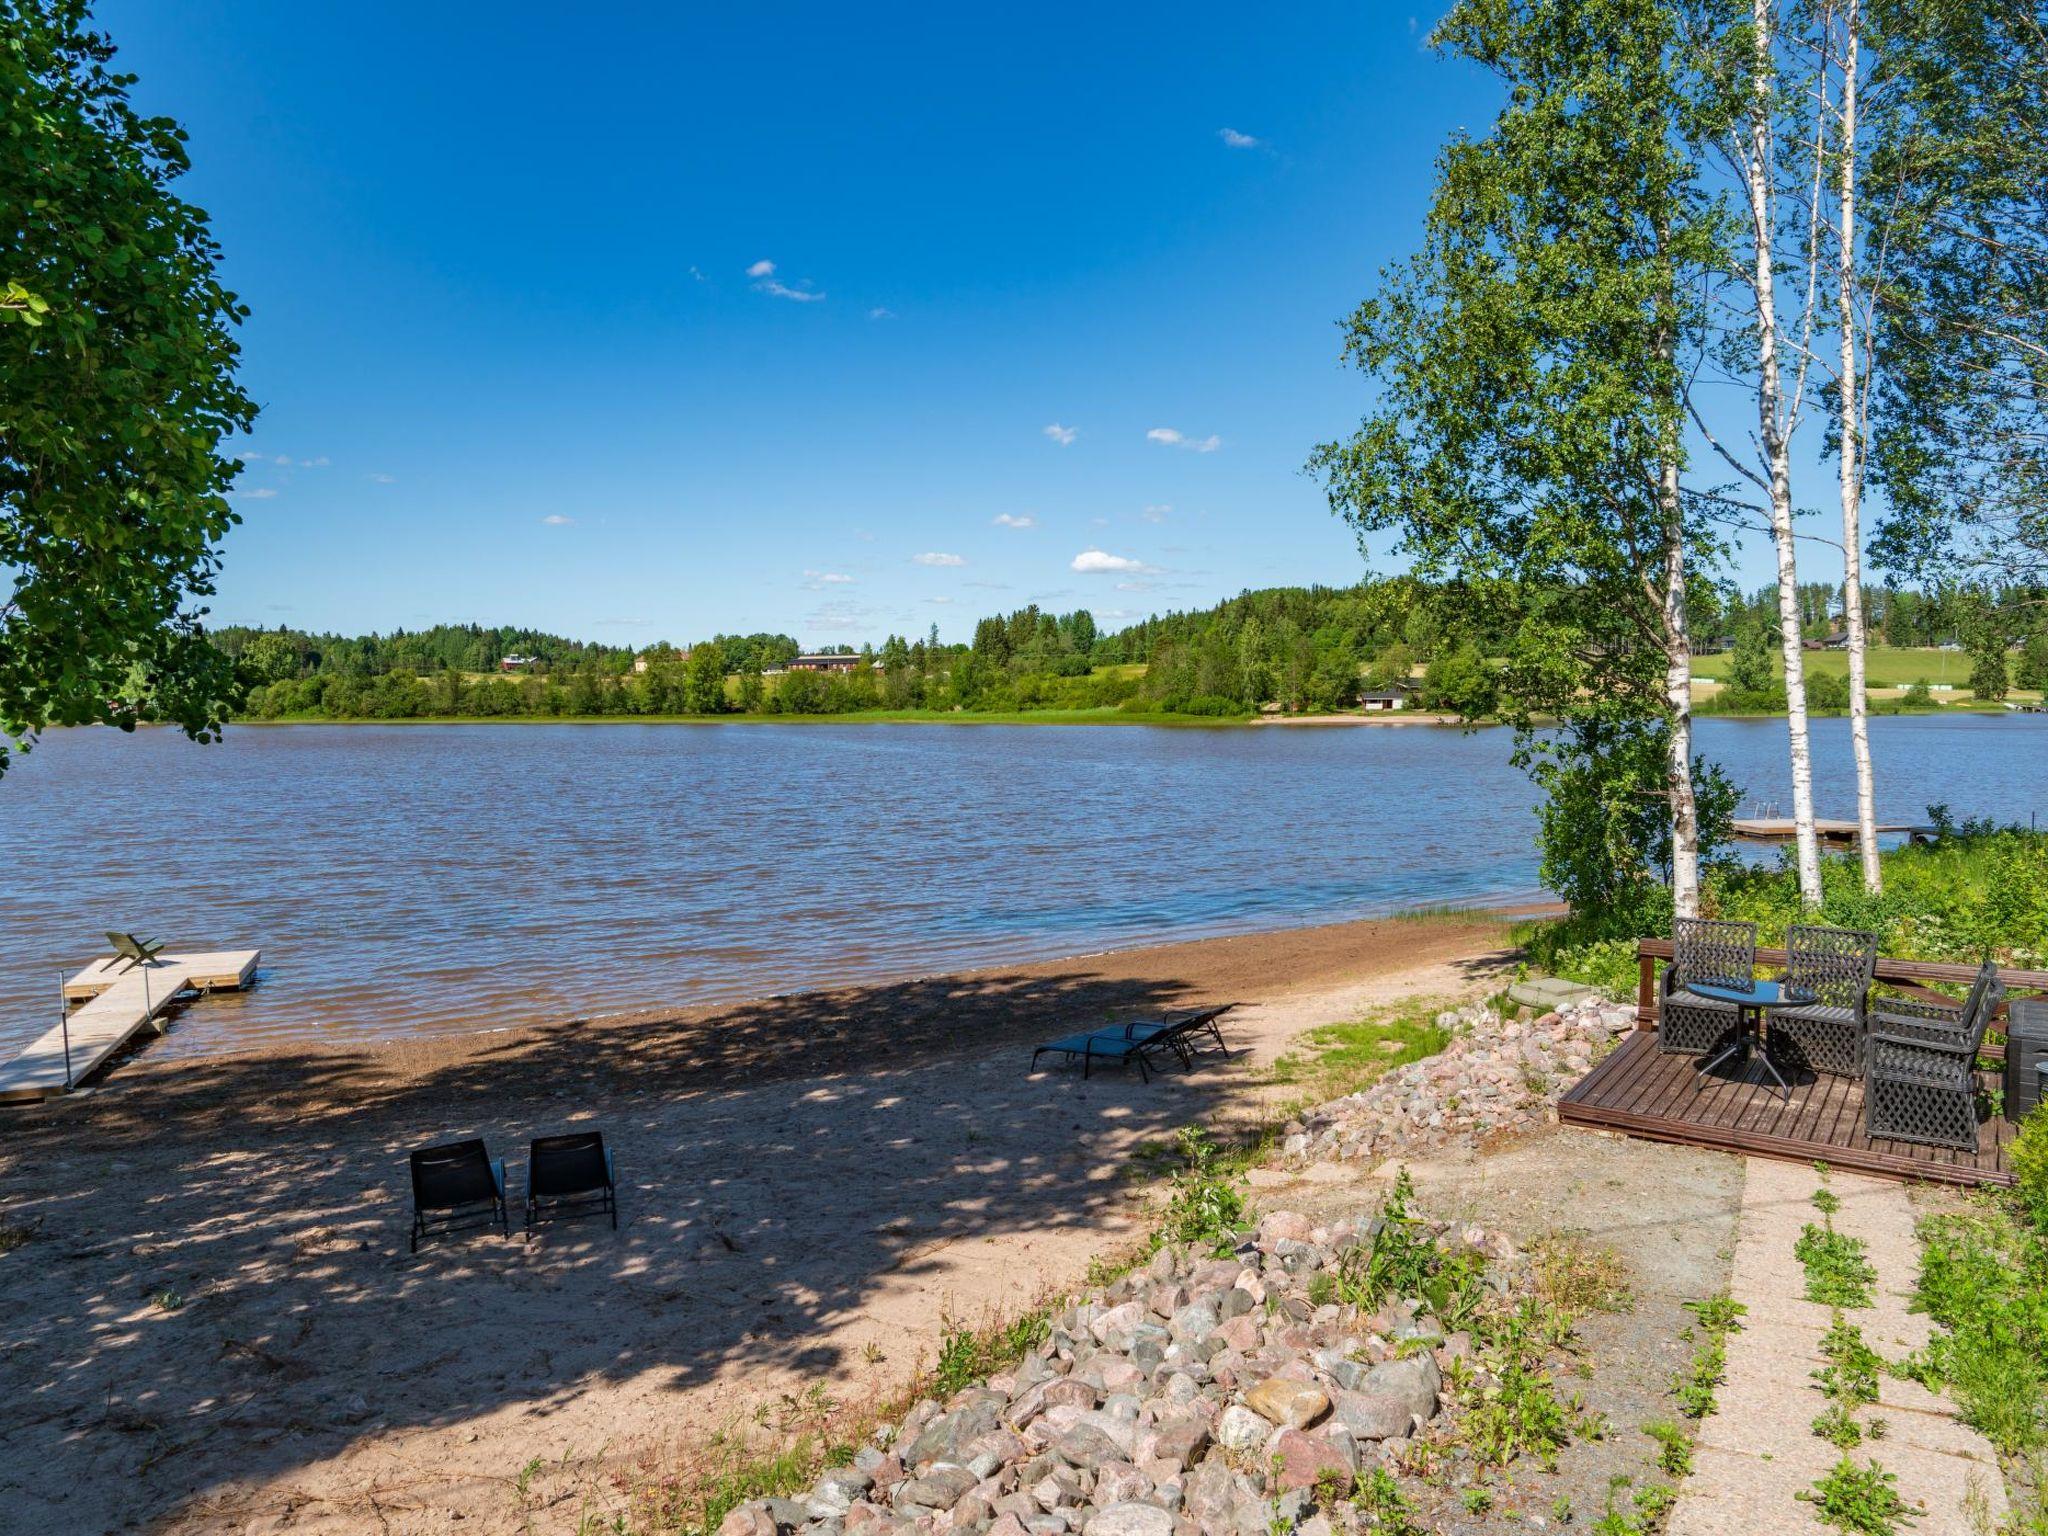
1960 431
1529 443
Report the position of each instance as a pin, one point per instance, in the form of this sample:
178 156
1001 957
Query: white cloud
1238 140
284 459
765 281
1097 562
557 520
1011 520
1155 512
938 602
320 463
698 275
879 313
261 493
840 617
1061 435
818 581
378 477
1173 438
932 557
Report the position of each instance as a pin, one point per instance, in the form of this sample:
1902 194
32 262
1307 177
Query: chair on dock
1833 967
135 951
1920 1066
456 1188
570 1176
1710 953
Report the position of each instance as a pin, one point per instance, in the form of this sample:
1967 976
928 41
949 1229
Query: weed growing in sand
1694 1386
14 1234
1405 1259
1206 1206
1380 1496
1477 1501
1579 1278
1674 1447
1849 1379
167 1301
1646 1510
1826 1201
1863 1501
522 1481
1512 1409
1838 1268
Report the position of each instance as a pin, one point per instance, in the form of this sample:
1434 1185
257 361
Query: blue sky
829 320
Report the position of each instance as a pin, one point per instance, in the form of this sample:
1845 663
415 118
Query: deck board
1642 1092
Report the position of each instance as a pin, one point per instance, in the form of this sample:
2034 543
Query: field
1892 669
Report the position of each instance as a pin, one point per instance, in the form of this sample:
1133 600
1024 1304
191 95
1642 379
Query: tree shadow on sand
219 1291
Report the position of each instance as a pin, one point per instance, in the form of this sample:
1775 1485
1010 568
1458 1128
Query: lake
413 879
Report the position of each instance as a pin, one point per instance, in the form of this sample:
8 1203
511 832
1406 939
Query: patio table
1750 1002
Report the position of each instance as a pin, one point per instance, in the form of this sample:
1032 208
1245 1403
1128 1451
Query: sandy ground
216 1325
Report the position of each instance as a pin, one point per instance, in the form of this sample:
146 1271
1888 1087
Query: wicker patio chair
1920 1074
1703 951
1832 966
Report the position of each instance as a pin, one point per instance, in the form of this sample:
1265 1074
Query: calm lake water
414 879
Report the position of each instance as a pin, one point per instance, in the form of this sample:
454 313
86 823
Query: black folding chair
457 1188
570 1176
135 951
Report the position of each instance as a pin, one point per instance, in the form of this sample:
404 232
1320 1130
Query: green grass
1885 666
1340 1059
1838 1268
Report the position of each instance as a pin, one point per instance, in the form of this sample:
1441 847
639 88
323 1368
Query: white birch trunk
1777 447
1850 428
1685 821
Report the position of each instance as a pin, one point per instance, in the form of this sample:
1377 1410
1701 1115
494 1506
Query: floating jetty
115 1002
1780 829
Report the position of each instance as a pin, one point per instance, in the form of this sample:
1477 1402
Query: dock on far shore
116 1002
1780 829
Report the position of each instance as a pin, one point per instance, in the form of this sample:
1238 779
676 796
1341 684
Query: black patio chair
570 1176
133 950
457 1188
1920 1066
1833 968
1703 951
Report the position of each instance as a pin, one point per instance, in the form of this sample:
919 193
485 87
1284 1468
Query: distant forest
1292 649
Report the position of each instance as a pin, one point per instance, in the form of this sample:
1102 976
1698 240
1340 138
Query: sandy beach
215 1325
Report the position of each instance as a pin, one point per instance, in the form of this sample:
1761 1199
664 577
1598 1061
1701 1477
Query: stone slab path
1758 1450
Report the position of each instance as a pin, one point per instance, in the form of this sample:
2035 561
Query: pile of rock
1198 1396
1496 1073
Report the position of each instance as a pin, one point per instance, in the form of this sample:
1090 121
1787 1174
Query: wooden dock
1779 829
113 1007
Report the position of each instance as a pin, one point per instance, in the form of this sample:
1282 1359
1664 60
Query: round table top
1758 994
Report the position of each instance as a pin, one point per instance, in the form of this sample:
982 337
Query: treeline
1293 649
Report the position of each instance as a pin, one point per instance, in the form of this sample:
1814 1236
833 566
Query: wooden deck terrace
1640 1091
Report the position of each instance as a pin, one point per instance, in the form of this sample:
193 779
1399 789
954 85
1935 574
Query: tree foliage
117 392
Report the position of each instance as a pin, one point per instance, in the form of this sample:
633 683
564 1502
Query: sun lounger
1140 1041
455 1188
135 951
570 1176
1184 1032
